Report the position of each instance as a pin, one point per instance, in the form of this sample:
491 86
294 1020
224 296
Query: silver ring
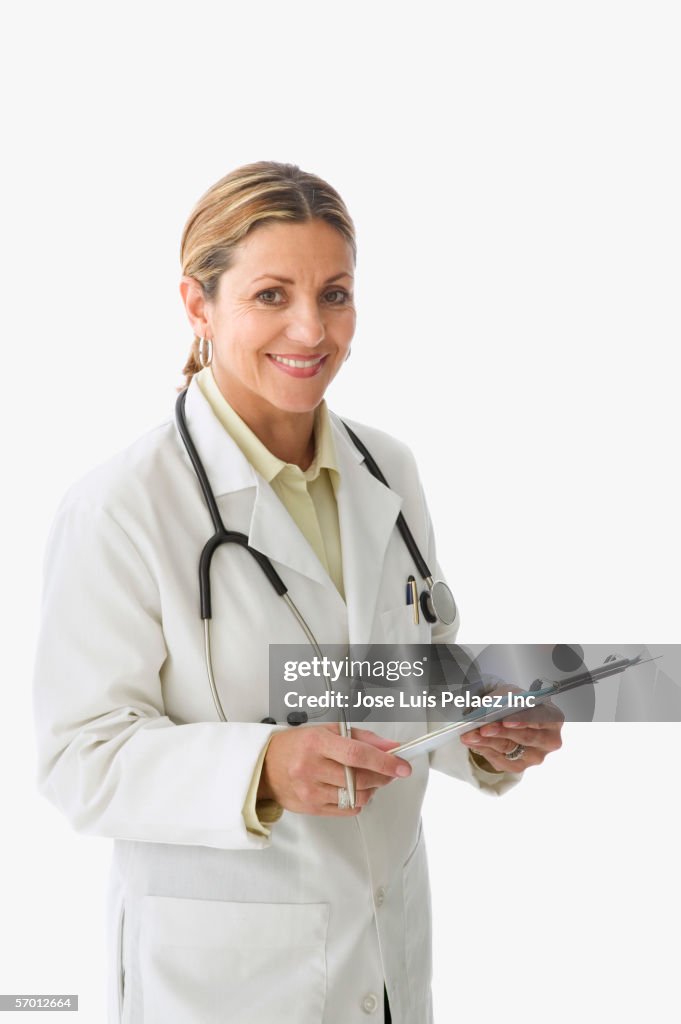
343 799
516 753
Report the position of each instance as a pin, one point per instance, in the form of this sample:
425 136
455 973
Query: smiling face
282 319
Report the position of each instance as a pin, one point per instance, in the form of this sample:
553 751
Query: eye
268 291
335 296
344 296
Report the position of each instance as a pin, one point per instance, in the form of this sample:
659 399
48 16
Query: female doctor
243 887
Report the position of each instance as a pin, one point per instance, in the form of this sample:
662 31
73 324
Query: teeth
301 363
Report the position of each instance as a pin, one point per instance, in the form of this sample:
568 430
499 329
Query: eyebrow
287 280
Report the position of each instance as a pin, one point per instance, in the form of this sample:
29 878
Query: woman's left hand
536 729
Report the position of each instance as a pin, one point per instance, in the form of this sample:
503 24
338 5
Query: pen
412 598
344 730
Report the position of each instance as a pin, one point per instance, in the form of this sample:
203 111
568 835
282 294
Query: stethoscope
436 602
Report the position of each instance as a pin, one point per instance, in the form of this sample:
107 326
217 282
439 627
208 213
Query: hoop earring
205 352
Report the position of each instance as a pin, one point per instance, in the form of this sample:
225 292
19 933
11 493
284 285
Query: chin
298 403
300 396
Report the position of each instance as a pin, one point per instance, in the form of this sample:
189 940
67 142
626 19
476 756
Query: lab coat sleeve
454 758
259 814
108 756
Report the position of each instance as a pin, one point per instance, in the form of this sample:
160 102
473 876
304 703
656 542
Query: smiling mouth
302 364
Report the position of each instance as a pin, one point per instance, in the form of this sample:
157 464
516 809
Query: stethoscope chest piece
438 604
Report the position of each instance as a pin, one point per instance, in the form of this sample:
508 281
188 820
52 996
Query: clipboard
541 690
439 737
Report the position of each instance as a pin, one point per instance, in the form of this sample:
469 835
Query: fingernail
403 770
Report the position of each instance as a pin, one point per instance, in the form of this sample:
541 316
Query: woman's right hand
304 768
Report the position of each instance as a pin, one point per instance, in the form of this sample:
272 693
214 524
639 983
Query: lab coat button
380 896
370 1003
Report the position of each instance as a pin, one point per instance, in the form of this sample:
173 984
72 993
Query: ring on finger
516 753
343 798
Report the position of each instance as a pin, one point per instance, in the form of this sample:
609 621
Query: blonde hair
250 195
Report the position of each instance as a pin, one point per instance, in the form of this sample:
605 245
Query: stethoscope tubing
224 536
221 535
402 526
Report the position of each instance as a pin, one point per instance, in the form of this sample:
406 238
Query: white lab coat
207 921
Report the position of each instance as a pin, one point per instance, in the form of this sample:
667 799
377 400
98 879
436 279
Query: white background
512 170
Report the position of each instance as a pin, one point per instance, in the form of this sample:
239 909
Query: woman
240 891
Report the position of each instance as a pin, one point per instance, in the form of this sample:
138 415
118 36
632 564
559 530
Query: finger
471 738
331 809
504 745
366 736
501 762
497 728
498 761
356 754
371 780
333 773
329 795
374 740
364 796
544 739
545 712
542 715
501 745
317 796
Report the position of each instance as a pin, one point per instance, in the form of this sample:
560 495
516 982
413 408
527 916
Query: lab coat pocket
398 626
417 921
211 961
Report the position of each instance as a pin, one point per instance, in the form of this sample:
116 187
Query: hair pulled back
250 195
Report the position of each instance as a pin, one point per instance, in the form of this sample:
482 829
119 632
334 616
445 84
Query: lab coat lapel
271 529
277 535
367 512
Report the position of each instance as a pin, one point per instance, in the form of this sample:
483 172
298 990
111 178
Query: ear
195 305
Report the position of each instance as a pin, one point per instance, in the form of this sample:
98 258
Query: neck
288 435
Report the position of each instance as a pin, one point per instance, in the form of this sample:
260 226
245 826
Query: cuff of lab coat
258 814
482 764
489 776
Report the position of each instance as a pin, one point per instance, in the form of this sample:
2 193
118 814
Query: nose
306 325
